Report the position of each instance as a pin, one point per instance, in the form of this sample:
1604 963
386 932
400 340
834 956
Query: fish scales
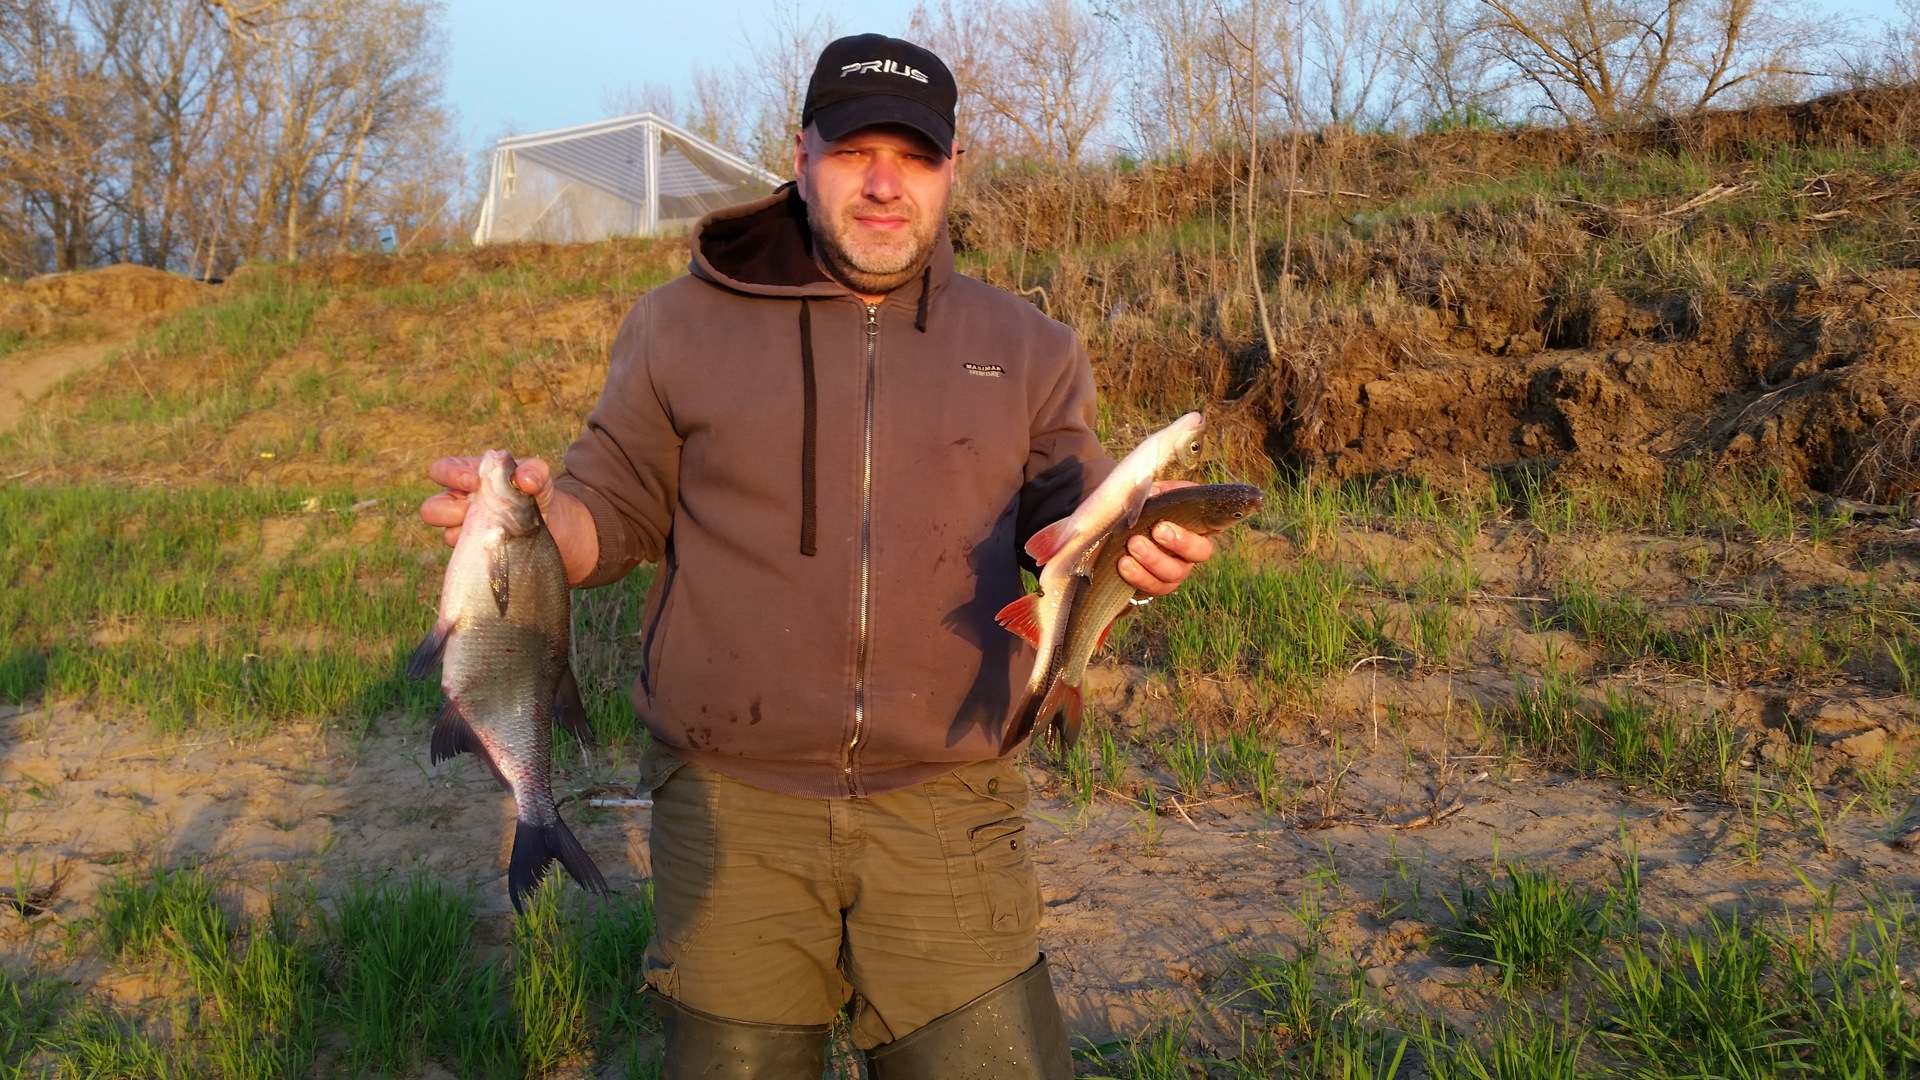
502 641
1065 550
1093 602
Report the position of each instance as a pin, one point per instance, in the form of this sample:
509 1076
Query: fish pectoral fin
1048 542
421 663
1136 502
1022 617
453 735
569 711
1084 567
497 578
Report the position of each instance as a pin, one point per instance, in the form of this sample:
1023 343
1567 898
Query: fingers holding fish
1157 564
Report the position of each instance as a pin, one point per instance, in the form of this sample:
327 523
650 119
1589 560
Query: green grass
1533 925
254 988
240 609
381 982
411 984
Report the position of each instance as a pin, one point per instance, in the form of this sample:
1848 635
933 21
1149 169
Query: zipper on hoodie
866 554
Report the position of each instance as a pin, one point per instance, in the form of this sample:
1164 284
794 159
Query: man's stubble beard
879 271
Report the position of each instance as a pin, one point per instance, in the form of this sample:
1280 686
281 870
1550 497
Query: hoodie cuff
618 553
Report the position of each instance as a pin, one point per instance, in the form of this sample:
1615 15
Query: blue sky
522 67
529 67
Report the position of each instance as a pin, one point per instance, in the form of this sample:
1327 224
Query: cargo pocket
984 836
681 846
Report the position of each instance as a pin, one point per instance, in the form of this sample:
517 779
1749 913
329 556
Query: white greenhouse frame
614 164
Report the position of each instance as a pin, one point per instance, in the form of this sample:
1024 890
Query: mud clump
103 301
1821 383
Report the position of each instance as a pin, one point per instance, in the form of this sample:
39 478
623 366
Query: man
834 445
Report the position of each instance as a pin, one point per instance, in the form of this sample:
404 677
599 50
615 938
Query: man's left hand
1156 567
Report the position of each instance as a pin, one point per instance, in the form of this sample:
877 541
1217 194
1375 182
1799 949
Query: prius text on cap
883 67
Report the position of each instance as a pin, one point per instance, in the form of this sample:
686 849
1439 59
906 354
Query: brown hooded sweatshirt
837 496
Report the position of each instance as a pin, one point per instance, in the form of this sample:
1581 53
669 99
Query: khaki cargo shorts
778 909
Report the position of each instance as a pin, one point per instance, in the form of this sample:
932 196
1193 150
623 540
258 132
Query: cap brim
843 118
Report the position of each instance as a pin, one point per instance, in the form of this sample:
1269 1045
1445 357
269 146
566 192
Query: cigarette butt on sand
645 801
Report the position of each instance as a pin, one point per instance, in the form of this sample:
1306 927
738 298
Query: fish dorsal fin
1050 541
1023 618
497 578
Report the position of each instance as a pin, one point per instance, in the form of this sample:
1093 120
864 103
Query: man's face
875 201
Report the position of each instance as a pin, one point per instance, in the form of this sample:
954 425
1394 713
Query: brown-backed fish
502 642
1090 604
1067 547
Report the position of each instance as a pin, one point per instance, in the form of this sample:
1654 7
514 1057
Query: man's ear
800 162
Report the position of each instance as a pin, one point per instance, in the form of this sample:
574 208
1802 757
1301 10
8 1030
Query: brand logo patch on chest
991 371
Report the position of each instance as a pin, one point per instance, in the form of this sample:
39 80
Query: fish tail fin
428 654
1066 730
1023 618
1049 541
536 848
1035 711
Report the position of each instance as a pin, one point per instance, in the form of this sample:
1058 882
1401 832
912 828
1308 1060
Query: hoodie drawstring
809 425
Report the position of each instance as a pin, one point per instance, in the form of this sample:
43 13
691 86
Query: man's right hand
567 518
460 477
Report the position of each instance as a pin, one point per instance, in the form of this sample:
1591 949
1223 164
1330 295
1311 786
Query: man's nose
883 179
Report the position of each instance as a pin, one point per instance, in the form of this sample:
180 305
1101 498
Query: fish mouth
496 473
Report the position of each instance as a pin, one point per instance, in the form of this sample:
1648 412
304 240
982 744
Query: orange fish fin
1102 643
1023 618
1050 541
1066 730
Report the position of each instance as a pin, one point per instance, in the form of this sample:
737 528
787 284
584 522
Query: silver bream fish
502 643
1091 603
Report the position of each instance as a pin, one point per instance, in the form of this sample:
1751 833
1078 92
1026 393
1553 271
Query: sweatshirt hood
764 248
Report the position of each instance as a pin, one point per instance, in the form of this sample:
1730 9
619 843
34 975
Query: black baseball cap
873 79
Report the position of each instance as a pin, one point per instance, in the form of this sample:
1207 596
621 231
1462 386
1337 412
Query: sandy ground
1144 916
28 374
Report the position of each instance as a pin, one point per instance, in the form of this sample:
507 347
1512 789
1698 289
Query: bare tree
781 60
1455 79
1047 75
1351 51
718 112
1182 76
962 37
57 119
1618 61
194 133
